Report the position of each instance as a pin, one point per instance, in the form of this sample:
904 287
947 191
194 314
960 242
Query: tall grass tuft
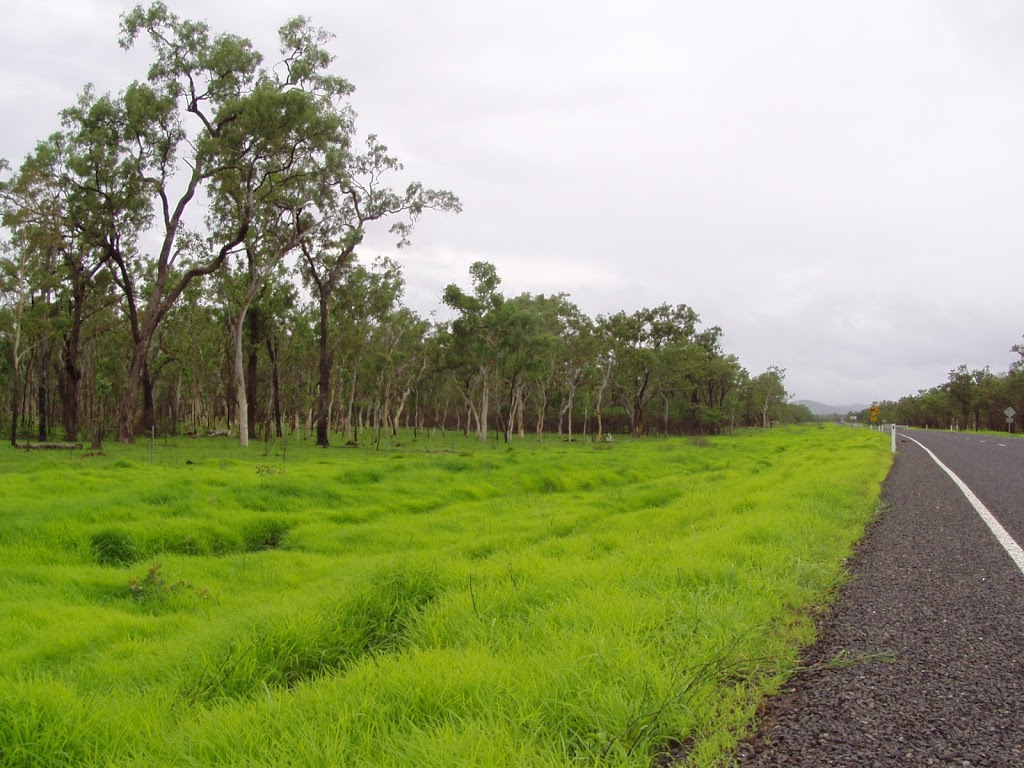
113 547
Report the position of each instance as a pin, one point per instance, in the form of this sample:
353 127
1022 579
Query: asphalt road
921 660
992 467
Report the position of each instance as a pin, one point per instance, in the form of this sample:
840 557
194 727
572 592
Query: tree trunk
638 420
28 401
276 385
521 413
399 409
485 396
14 405
323 399
542 409
70 384
350 411
252 380
176 405
148 409
130 397
42 391
572 396
241 398
509 425
639 405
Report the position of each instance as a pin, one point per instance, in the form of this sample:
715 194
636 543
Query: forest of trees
968 399
182 258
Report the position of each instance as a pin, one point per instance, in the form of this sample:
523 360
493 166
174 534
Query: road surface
934 617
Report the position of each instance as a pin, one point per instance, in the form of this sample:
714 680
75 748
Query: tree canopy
975 399
184 256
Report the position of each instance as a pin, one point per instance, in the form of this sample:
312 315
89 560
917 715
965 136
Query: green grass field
440 603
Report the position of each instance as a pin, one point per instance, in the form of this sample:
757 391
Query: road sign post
1010 413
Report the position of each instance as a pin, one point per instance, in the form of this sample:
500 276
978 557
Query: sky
839 186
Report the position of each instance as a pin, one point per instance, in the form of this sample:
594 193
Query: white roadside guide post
894 437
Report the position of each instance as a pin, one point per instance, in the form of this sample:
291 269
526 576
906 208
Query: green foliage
766 396
968 399
113 547
550 604
264 533
155 588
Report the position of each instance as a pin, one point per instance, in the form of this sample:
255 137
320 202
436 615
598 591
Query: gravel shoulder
932 628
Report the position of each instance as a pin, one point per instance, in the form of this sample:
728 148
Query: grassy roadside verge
437 604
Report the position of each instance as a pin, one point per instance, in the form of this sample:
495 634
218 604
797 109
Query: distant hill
820 409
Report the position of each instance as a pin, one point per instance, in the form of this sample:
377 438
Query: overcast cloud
838 185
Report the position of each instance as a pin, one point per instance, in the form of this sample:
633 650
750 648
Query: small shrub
154 586
113 547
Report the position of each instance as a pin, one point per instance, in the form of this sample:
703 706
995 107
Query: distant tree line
969 400
181 258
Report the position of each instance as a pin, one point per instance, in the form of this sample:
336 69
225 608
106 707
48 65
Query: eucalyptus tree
734 401
989 399
274 163
569 354
1018 363
399 360
15 290
243 283
640 343
208 116
1015 394
354 198
365 301
53 273
294 358
713 375
7 383
190 346
935 407
604 365
961 385
433 392
471 340
721 376
766 394
273 324
33 211
528 332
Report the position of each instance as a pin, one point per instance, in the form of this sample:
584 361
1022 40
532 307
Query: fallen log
51 446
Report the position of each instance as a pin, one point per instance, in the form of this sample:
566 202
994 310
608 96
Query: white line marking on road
1012 548
1001 445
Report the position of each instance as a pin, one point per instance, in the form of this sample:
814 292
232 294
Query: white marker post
894 437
